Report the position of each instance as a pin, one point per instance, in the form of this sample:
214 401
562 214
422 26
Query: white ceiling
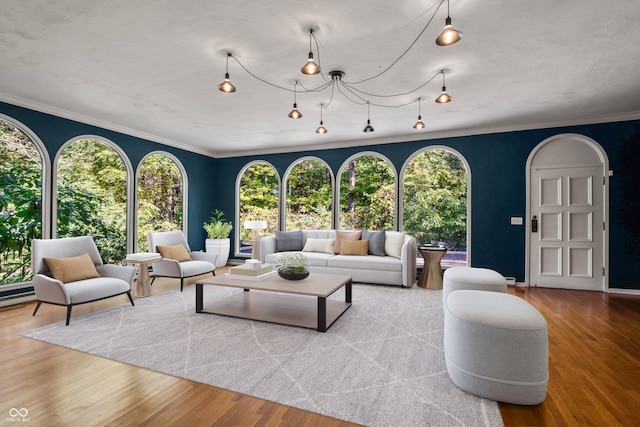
151 68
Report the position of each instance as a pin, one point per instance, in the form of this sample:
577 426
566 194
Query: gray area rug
381 364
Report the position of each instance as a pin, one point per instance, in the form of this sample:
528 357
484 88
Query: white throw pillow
393 243
319 245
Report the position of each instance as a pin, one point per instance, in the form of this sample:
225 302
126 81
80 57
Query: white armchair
112 280
200 262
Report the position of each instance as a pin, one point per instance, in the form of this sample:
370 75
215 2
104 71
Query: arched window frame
341 170
130 217
185 191
238 226
285 179
400 196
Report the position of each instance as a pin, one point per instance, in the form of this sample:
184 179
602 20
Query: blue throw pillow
376 241
288 241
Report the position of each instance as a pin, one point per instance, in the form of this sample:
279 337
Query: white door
566 250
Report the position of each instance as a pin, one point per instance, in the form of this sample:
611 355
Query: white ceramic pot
221 247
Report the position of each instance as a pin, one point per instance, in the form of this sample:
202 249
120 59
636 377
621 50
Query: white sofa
386 270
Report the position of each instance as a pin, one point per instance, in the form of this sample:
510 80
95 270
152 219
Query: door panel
567 250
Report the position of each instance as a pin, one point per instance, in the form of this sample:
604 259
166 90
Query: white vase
221 247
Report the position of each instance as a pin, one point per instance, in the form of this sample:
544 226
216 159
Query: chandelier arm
324 77
320 88
259 78
364 102
349 85
331 98
405 51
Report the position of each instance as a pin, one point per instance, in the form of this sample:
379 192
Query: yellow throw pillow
72 269
342 236
176 252
355 247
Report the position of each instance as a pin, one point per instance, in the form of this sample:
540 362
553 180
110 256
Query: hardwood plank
594 343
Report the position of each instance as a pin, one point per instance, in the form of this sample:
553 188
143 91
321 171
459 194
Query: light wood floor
594 342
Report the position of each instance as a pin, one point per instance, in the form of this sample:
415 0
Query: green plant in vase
217 227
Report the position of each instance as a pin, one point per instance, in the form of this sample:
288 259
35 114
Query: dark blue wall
498 185
55 131
498 190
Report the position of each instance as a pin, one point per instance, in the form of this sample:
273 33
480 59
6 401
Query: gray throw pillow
288 241
376 241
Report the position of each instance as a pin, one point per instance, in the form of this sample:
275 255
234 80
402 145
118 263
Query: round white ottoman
496 346
474 278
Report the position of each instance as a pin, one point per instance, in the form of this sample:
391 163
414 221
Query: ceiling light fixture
295 114
449 35
444 96
321 129
368 128
419 124
226 86
310 67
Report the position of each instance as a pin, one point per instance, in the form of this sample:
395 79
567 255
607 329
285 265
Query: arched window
161 195
23 162
434 201
258 189
92 195
309 195
367 193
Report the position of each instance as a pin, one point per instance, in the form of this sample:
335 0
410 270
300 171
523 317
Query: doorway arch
567 198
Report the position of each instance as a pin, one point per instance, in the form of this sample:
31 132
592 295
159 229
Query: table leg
199 298
347 291
322 314
143 289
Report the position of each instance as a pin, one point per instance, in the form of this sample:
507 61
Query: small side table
431 276
143 259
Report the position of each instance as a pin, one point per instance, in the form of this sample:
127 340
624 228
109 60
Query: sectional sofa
380 257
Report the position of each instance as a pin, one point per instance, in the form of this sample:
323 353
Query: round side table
431 276
143 288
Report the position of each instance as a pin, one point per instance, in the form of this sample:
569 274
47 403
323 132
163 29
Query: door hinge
604 180
604 226
603 271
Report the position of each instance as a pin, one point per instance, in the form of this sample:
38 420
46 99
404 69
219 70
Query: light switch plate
516 220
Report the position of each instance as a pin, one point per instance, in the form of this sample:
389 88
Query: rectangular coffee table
301 303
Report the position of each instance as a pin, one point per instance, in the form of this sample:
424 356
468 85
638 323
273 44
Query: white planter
221 247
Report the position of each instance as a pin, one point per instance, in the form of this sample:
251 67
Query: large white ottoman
482 279
496 346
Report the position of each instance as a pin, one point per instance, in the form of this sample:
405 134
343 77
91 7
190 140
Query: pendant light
368 128
419 124
449 35
310 67
321 129
295 114
226 86
444 96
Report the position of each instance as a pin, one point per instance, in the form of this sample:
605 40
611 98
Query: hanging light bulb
310 67
444 96
419 124
449 35
295 114
368 128
226 86
321 129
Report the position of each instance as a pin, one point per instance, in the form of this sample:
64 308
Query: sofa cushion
345 235
319 245
287 241
376 241
393 243
355 247
316 259
176 252
367 262
72 269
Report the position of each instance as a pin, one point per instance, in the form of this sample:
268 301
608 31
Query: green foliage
20 203
309 196
435 199
217 227
259 198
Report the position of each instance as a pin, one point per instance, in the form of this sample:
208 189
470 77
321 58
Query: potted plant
218 241
292 265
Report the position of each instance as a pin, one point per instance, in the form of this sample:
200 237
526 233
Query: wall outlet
516 220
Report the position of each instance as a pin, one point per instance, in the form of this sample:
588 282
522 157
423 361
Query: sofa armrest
167 267
408 257
48 289
126 273
204 256
266 246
